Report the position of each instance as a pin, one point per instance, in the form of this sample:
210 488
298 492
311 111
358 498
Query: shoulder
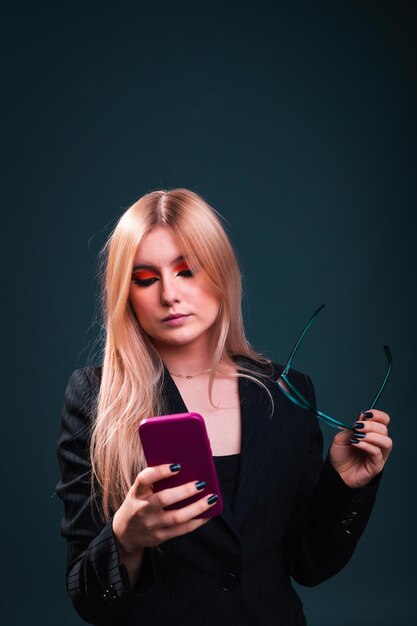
269 372
81 394
292 418
84 380
91 374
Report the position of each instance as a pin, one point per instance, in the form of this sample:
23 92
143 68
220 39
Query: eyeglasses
297 398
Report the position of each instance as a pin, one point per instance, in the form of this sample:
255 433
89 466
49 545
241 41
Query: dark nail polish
212 499
354 440
360 435
359 425
200 484
367 414
175 467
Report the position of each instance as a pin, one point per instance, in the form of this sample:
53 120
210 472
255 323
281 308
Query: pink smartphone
181 438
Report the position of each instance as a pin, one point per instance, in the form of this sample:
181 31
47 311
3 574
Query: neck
182 362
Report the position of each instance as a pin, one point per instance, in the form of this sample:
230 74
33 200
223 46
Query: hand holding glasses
297 398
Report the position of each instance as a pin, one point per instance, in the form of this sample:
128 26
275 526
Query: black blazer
293 517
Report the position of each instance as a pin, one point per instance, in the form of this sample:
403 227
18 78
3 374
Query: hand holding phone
141 521
166 501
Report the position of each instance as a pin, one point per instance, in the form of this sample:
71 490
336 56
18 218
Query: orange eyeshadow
144 274
182 266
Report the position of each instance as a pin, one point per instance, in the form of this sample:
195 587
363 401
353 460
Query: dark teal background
297 121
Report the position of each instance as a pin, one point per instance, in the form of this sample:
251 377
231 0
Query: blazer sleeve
329 518
96 582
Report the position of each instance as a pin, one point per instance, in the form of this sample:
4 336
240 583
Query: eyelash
186 273
147 282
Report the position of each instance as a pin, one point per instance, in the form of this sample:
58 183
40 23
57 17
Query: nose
169 291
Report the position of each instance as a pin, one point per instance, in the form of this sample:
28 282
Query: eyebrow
146 266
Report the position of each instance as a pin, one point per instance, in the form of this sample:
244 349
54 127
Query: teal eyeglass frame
297 398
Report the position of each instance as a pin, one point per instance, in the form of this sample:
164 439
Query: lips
176 316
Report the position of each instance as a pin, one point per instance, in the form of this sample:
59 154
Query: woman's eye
144 282
186 273
184 270
144 278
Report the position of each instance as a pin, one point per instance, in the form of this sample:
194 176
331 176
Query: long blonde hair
132 370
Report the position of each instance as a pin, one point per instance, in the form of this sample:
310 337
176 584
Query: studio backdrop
296 121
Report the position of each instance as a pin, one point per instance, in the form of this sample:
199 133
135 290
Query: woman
175 342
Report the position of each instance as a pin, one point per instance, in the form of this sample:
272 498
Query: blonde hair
132 370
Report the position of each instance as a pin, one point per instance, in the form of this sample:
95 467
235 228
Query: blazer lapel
260 442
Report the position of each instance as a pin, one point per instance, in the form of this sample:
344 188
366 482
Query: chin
184 340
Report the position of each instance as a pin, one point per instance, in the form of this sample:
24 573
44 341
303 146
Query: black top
227 468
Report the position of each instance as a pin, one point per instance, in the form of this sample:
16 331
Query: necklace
189 375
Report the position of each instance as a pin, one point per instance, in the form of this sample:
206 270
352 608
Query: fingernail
354 440
212 499
200 484
367 414
359 425
175 467
360 435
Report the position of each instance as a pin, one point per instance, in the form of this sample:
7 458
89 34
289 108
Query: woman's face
172 304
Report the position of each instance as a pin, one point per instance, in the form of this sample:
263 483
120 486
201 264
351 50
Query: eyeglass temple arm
294 350
307 405
389 357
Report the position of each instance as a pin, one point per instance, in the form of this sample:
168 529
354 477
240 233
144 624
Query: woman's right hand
141 520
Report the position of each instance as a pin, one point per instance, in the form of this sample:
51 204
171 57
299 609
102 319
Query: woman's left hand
358 463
